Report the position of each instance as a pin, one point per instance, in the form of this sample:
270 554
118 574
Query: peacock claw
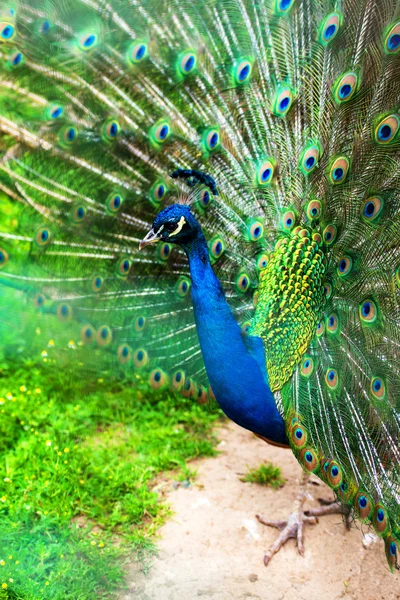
293 526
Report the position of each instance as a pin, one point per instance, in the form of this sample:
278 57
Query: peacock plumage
270 130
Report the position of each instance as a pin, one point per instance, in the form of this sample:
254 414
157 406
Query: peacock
206 194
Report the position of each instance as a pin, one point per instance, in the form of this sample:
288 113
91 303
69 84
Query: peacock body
279 121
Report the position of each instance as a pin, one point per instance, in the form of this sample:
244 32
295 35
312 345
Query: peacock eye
170 226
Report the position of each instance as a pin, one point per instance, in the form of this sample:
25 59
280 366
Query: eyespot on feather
164 251
329 234
246 326
140 358
4 258
111 129
345 87
282 7
255 231
54 111
378 388
307 367
64 312
371 209
39 300
104 336
288 220
7 31
160 132
391 550
387 129
345 266
210 139
88 334
368 311
242 71
298 436
182 286
124 354
15 59
242 282
283 101
124 266
392 39
43 237
262 261
328 290
79 214
97 283
114 203
216 247
68 135
314 209
329 28
346 492
158 192
380 520
324 466
338 170
309 158
309 459
320 329
188 389
178 379
140 323
187 62
332 379
88 41
205 199
44 27
363 505
265 172
202 397
158 379
137 52
334 474
332 323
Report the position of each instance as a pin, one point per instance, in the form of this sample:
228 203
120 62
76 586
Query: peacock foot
293 527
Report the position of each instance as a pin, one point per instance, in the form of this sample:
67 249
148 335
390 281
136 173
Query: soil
212 549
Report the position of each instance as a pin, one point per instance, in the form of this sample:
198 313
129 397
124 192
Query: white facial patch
181 223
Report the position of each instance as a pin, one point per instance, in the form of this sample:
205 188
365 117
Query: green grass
265 475
77 463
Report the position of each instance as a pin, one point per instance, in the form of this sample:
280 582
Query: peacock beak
151 238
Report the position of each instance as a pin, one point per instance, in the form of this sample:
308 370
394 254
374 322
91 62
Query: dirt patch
213 548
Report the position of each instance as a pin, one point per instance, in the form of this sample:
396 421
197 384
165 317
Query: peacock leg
293 526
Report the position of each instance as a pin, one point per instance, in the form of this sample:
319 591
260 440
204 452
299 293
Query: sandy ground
213 548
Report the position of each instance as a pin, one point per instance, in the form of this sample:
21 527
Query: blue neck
235 366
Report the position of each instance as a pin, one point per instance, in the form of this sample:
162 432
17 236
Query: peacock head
175 224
